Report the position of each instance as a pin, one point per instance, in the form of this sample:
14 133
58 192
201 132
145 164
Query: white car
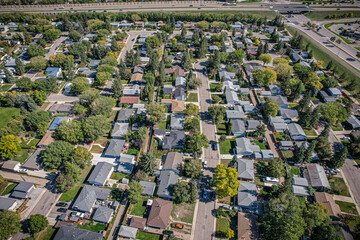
205 163
23 170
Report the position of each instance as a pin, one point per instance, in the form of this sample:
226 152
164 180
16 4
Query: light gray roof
24 186
173 161
126 163
237 113
167 181
174 139
94 63
100 173
124 114
231 96
275 89
227 75
114 148
177 121
34 161
286 143
334 91
120 129
180 81
148 188
300 181
243 147
316 176
168 89
88 195
237 126
288 113
127 232
62 107
247 195
282 100
245 168
353 121
73 233
279 127
103 214
300 190
252 124
6 203
295 129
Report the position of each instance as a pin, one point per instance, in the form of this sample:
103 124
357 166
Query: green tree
95 126
147 163
194 82
89 96
270 108
276 168
333 112
117 87
102 106
194 195
265 58
24 83
135 192
9 78
37 223
338 160
181 192
309 151
114 45
20 67
215 99
260 131
39 97
35 50
264 76
186 61
75 36
196 142
156 112
70 131
217 113
79 85
314 217
102 78
47 84
203 48
9 224
299 154
38 62
56 154
283 71
37 118
81 157
9 146
226 181
72 171
191 110
229 233
51 35
192 168
236 56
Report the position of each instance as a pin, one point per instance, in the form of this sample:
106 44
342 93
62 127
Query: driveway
61 98
23 177
98 158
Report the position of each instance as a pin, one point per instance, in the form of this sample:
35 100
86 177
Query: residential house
134 90
94 63
120 130
264 154
296 132
137 222
90 73
53 71
126 163
226 76
114 148
137 78
168 90
286 145
88 197
62 108
326 97
173 162
353 122
231 97
245 148
245 169
103 215
316 176
278 124
179 93
11 165
300 191
148 188
270 29
127 232
101 173
300 181
177 106
130 100
57 122
245 91
247 228
124 115
289 115
22 190
238 128
326 199
282 100
314 156
176 139
237 113
178 71
177 121
275 89
251 125
213 48
160 213
73 233
8 204
180 81
34 161
247 196
167 180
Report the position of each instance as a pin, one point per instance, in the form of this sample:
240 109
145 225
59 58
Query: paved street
205 219
23 177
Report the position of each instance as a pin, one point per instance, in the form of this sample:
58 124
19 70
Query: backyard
138 209
183 212
339 187
93 227
146 236
347 207
8 189
119 176
226 147
7 114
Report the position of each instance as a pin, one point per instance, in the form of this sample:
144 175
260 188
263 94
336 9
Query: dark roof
148 188
10 165
138 222
167 181
63 107
124 114
100 173
71 233
174 139
173 161
316 176
179 91
24 186
6 203
160 213
114 148
103 214
87 197
34 161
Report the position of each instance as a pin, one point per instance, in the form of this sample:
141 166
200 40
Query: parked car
205 163
205 194
215 146
168 232
62 210
177 225
61 204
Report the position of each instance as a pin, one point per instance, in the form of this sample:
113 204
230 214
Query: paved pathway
23 177
113 230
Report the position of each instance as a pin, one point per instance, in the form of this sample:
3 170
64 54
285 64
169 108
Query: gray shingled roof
103 214
127 232
237 113
243 147
174 139
167 181
73 233
245 168
295 129
177 121
124 114
316 176
114 148
100 173
300 181
148 188
120 129
173 161
288 113
252 124
34 161
6 203
87 197
247 195
126 163
237 126
24 186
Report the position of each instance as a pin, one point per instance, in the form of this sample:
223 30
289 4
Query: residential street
205 219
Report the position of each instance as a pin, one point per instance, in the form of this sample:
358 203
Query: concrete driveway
98 158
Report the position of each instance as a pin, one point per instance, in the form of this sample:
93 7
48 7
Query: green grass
310 132
293 105
322 15
221 128
139 208
7 114
357 161
31 144
337 127
5 87
338 187
347 207
183 212
328 25
8 189
260 144
93 228
193 97
162 125
287 154
146 236
226 147
119 176
222 226
132 151
21 156
225 162
302 201
294 171
47 234
96 149
213 87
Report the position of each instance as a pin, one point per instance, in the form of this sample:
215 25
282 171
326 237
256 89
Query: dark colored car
168 232
215 146
205 194
62 210
61 204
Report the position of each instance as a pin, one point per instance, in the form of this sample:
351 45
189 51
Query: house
180 81
177 106
127 232
11 165
178 71
8 204
177 121
168 89
134 90
57 122
103 214
144 60
300 181
130 100
179 93
353 122
296 132
176 139
326 97
22 190
148 188
237 113
282 100
316 176
265 154
160 133
226 76
160 213
231 97
137 125
289 115
73 233
247 228
124 115
90 73
53 71
137 222
269 29
34 161
275 89
213 48
238 128
173 162
251 125
101 173
94 63
335 92
48 138
244 148
88 197
245 169
247 196
167 180
62 108
286 145
300 190
326 199
120 130
245 91
137 78
114 148
126 163
125 24
278 123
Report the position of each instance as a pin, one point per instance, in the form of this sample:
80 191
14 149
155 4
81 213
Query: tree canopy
226 181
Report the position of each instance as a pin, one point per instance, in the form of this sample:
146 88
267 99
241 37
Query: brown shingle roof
177 106
130 100
9 165
48 138
160 213
173 161
247 226
177 70
328 201
138 222
136 77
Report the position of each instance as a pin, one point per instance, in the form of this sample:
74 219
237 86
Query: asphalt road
205 219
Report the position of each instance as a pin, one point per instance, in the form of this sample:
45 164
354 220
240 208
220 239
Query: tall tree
156 112
9 224
196 142
37 223
117 86
135 192
9 146
20 67
9 78
225 180
147 163
338 160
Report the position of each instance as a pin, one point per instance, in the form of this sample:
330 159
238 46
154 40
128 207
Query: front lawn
310 132
146 236
226 147
338 187
21 156
260 144
8 189
294 171
221 128
162 125
7 114
93 228
183 212
213 87
287 154
47 234
337 127
225 162
347 207
139 208
193 97
119 176
96 149
222 225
